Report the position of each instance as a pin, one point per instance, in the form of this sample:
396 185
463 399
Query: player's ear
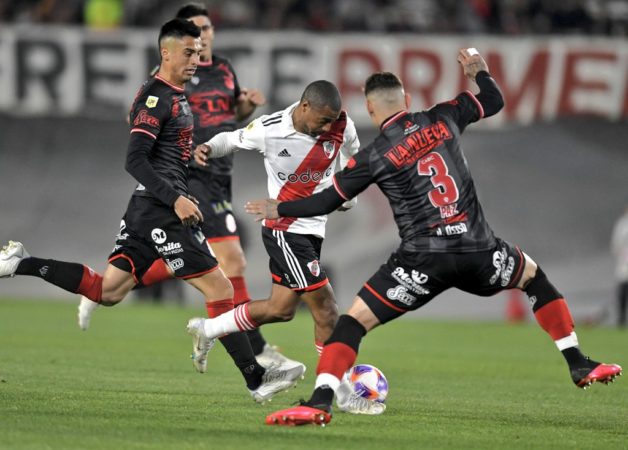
408 100
369 107
164 53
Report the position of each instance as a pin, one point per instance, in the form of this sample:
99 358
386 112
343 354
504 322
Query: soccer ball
368 382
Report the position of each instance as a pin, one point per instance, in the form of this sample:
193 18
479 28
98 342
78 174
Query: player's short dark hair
178 28
322 93
192 10
382 80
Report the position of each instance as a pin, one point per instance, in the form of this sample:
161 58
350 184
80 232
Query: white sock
327 379
567 341
230 322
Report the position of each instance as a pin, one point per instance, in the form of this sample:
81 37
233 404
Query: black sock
322 398
239 348
66 275
257 341
574 357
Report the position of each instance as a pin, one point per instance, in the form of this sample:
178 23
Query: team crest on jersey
315 268
329 147
151 101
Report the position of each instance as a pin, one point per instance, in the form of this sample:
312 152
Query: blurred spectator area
510 17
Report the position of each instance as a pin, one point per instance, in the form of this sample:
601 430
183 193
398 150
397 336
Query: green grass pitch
127 383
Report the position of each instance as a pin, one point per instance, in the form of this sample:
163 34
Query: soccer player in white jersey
302 145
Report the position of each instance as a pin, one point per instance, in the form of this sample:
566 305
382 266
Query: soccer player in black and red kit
218 104
418 163
161 220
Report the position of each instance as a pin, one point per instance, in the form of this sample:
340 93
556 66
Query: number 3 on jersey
445 191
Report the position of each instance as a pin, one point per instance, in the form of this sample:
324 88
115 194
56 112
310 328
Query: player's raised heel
201 344
593 372
299 415
10 257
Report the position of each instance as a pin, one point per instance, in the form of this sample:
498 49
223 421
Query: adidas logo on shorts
284 153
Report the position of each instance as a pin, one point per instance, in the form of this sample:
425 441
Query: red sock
336 359
218 307
158 271
91 285
555 319
240 292
319 347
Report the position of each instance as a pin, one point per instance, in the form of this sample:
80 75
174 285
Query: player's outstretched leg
552 314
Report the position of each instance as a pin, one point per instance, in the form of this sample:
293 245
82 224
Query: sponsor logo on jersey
504 266
411 281
305 177
329 147
418 143
43 271
176 264
284 153
213 107
409 127
400 293
151 101
158 235
143 118
315 268
170 248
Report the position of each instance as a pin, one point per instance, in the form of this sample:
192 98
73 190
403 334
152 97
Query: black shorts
150 230
213 193
294 259
408 281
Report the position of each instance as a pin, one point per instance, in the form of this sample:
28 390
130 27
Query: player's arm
476 69
350 146
348 183
247 102
250 137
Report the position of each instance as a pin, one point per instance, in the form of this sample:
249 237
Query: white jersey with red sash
298 165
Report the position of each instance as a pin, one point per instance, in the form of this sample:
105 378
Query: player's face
182 58
207 35
316 121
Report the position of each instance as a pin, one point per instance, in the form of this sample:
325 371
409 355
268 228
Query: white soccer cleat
277 379
10 257
348 401
201 344
85 310
271 357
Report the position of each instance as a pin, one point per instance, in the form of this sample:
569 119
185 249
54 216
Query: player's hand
194 199
201 154
263 209
472 62
346 206
253 96
187 211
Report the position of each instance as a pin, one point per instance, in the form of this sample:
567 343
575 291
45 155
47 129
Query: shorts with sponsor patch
294 259
213 193
408 281
150 230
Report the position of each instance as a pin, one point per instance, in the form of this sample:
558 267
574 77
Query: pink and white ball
368 382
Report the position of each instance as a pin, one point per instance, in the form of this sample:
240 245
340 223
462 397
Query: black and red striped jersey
212 93
161 111
419 165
